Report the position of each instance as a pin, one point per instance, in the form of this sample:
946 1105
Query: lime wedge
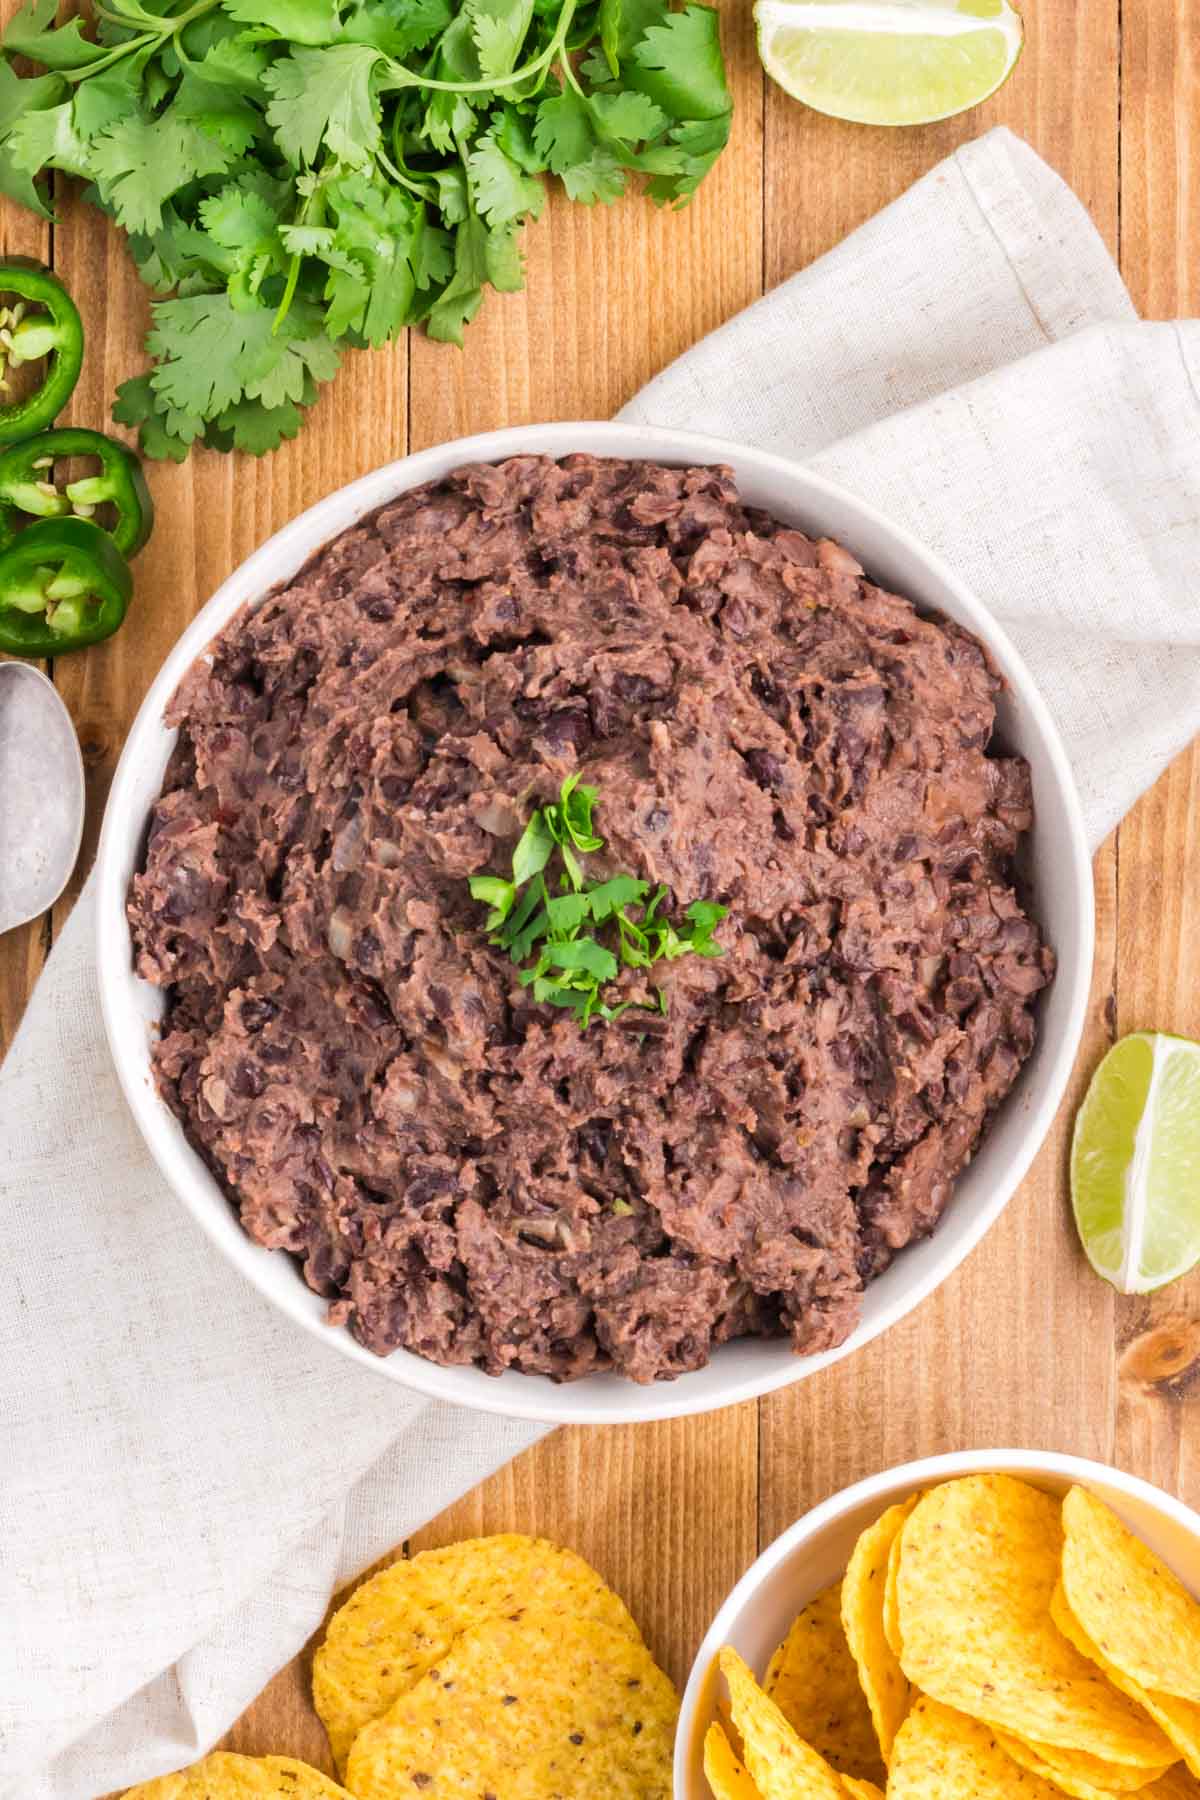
889 62
1135 1163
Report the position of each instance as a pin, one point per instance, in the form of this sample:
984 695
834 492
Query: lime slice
890 62
1135 1163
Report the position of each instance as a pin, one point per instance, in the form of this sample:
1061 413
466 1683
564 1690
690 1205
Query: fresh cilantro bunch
570 965
299 176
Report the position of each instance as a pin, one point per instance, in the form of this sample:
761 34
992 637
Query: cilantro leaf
101 101
376 237
498 28
513 131
677 63
397 27
601 178
137 404
567 911
48 139
139 163
563 131
622 23
583 953
214 354
608 897
325 97
235 61
219 110
480 256
255 428
33 33
22 100
502 261
244 213
570 966
631 118
432 254
502 191
296 21
692 151
534 849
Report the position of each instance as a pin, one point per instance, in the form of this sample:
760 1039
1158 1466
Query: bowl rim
926 1471
514 1395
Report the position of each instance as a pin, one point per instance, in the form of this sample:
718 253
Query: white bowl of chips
987 1623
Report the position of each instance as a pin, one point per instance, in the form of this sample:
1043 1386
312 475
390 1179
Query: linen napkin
183 1476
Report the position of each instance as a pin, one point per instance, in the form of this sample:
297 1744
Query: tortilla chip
223 1776
1137 1613
977 1575
861 1790
782 1766
1177 1784
1178 1720
883 1681
726 1776
402 1622
940 1754
1077 1773
525 1708
813 1680
891 1599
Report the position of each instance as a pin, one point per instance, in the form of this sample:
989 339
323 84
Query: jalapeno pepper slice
63 585
27 486
43 323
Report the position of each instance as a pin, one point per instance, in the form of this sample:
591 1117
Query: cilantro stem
114 56
402 180
403 77
154 31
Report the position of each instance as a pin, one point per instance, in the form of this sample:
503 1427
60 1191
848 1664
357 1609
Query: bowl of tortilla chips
969 1627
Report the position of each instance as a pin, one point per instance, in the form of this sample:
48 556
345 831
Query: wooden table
1024 1346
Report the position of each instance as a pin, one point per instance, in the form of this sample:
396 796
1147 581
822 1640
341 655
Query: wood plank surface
1023 1346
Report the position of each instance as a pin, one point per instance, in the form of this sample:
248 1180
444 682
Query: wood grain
1017 1347
1158 961
1023 1345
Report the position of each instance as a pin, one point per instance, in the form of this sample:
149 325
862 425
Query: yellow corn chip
539 1707
1136 1612
223 1776
1179 1720
891 1599
401 1622
940 1754
977 1575
782 1766
1177 1784
861 1790
863 1586
813 1680
1077 1773
726 1776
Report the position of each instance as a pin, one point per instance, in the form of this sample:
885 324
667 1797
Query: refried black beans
469 1175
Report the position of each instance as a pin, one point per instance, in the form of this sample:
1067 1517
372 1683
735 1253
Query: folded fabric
185 1476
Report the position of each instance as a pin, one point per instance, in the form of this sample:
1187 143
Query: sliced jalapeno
44 323
27 486
63 585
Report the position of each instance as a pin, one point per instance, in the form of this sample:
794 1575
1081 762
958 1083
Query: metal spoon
41 794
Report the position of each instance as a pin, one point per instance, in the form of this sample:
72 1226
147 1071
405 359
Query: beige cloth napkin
183 1475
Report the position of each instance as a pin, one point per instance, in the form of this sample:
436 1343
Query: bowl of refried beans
759 1143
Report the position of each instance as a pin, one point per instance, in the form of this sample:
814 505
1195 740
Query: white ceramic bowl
1059 877
814 1552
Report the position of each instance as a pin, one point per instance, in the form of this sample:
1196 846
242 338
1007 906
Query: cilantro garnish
541 914
299 177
